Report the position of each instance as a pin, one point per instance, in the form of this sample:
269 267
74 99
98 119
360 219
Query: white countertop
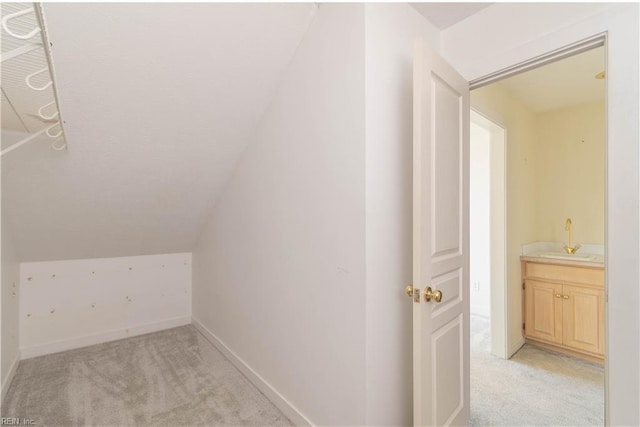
541 251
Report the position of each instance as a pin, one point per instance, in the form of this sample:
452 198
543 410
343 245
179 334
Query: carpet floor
535 387
168 378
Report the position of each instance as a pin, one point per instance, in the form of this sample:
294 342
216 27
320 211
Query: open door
440 291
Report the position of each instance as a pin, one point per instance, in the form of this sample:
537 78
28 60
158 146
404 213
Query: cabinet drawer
565 274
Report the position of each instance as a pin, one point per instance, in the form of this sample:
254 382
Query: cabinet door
583 318
543 311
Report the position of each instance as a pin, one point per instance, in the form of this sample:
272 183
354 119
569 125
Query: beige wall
570 173
498 105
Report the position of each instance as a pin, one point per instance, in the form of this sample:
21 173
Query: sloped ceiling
446 14
159 101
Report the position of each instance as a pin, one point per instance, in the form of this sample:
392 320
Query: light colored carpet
535 388
168 378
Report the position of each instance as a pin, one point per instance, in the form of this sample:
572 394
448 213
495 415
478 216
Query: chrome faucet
571 248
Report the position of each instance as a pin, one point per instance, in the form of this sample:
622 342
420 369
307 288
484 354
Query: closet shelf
22 26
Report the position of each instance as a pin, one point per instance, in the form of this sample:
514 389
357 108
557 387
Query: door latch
413 293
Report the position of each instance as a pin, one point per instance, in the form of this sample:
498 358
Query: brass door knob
429 293
409 290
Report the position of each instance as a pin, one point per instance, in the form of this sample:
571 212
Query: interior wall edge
10 303
268 105
294 212
6 380
128 256
515 347
390 34
293 413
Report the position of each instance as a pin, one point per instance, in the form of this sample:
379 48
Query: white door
440 241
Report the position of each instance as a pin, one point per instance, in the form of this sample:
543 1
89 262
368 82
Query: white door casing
440 241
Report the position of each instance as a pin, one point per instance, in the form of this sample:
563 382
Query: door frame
575 48
498 232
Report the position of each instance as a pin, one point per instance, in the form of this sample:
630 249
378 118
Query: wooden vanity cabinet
564 308
583 319
543 311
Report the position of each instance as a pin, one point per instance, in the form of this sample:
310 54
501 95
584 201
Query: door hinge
522 285
523 328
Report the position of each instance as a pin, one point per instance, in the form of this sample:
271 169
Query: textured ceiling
159 101
564 83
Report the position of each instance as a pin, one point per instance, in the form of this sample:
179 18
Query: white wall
70 304
479 221
279 271
9 297
505 34
391 30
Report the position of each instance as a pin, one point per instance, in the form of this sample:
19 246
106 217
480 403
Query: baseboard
102 337
6 382
558 349
267 389
514 348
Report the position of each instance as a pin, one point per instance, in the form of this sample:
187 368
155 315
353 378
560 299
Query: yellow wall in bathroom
570 173
551 174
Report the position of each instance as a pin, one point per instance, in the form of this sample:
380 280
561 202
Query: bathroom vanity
563 303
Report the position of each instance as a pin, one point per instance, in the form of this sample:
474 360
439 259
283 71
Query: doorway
487 235
553 121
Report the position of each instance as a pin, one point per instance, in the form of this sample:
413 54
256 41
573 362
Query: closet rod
24 141
20 51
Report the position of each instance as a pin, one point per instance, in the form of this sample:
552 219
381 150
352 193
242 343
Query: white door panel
441 237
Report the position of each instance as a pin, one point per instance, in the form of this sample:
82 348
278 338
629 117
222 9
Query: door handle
429 294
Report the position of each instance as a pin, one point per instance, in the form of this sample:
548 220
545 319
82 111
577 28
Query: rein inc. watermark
15 421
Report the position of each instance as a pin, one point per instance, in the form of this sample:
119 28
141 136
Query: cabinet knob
558 295
565 296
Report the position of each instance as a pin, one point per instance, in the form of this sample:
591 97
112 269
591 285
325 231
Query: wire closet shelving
27 66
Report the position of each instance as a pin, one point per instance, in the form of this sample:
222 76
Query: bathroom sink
573 257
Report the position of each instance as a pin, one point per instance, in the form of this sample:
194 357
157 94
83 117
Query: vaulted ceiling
159 102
